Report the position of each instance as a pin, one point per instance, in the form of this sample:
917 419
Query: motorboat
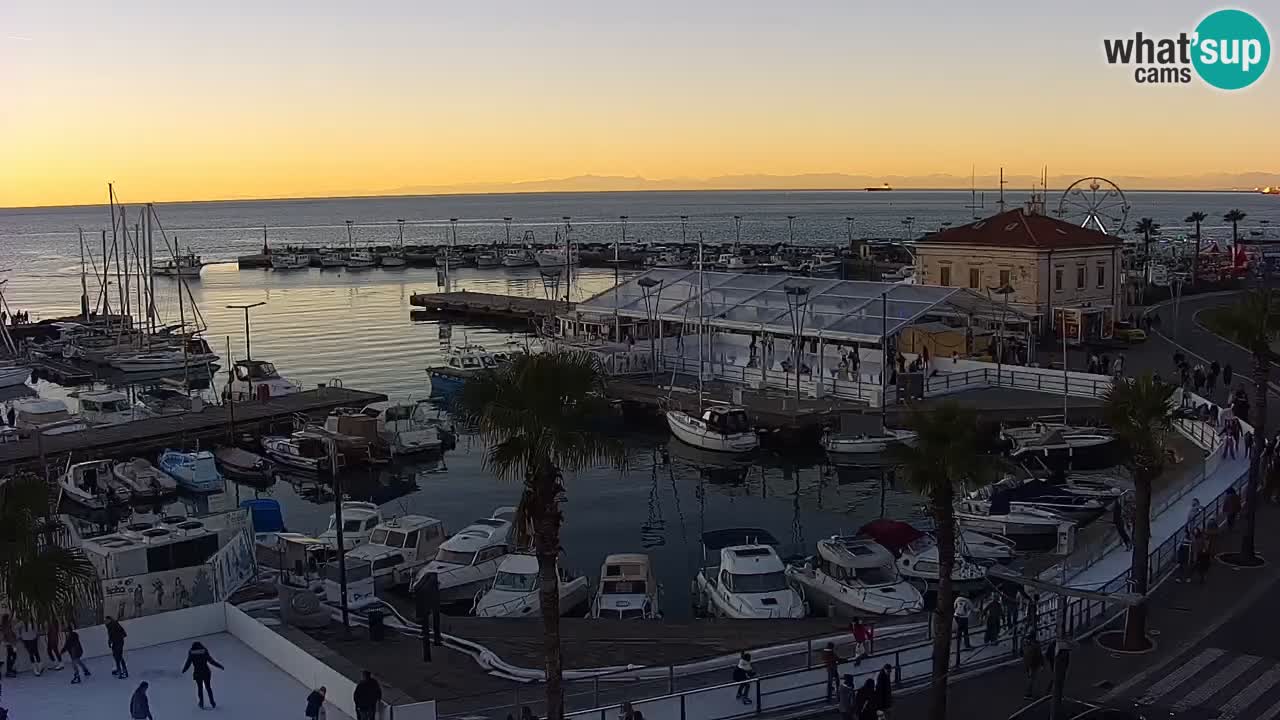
1029 528
468 561
916 553
555 258
743 578
257 380
488 259
519 257
722 428
628 589
1048 441
984 548
852 576
332 258
361 588
824 265
397 548
668 259
393 259
45 416
243 465
515 591
91 484
302 453
360 260
464 362
1039 495
108 407
358 521
404 426
289 261
14 375
867 444
143 479
159 360
194 471
185 265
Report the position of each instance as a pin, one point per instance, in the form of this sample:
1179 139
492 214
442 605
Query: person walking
992 634
75 651
198 661
1202 547
1032 661
30 635
962 610
9 636
1231 506
847 695
139 705
884 689
315 703
742 674
53 644
831 662
1227 374
1212 380
115 640
862 640
865 700
366 697
1198 378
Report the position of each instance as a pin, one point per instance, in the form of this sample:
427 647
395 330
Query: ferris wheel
1096 203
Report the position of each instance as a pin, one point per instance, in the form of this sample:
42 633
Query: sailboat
394 258
722 428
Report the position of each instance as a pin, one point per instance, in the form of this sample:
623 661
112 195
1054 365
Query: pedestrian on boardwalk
831 662
1032 661
53 644
992 635
75 652
1203 548
1231 506
1215 370
1185 554
625 711
9 636
526 713
30 635
1010 603
1226 376
315 704
862 638
884 689
139 706
742 674
366 697
962 611
865 700
198 661
1198 378
848 693
115 640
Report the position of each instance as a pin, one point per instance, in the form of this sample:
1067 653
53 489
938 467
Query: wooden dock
207 427
486 306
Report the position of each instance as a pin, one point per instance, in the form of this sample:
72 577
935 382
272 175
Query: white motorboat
92 485
519 257
721 428
1057 441
515 590
555 258
405 426
1028 528
303 453
398 548
358 521
108 407
1021 495
468 561
916 552
185 265
628 589
257 380
46 416
867 444
143 479
14 375
159 360
746 579
360 260
289 261
855 576
194 471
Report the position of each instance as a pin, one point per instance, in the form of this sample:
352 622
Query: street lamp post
248 349
791 230
797 301
617 279
737 231
651 299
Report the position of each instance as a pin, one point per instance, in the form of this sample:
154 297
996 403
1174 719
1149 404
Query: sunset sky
210 100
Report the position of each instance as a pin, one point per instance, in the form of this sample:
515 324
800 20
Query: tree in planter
540 415
949 451
1252 323
1196 217
1141 412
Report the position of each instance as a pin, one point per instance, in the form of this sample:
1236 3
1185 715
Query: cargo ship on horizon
883 188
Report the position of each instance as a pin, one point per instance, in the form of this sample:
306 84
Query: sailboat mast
884 360
151 281
84 283
105 294
700 315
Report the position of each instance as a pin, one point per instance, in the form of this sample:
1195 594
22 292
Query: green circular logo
1232 49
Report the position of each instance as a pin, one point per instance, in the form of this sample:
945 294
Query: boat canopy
854 553
894 535
730 537
727 420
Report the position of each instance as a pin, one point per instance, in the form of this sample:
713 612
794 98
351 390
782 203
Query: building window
1057 280
975 278
1006 279
944 276
1102 276
1080 278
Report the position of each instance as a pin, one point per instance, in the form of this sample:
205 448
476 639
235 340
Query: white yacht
398 548
143 479
358 521
628 589
515 590
867 444
519 257
360 260
1028 528
404 426
555 258
468 560
917 552
853 576
289 261
108 407
194 471
747 580
92 485
721 428
251 379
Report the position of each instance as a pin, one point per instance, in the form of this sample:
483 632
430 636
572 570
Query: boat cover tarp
893 534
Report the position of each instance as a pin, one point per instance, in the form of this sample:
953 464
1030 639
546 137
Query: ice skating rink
249 689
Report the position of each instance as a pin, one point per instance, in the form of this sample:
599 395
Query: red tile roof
1020 229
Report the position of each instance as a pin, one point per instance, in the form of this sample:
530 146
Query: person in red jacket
863 636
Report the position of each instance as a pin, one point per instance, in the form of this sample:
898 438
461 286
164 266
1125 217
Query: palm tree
40 580
948 452
1235 217
1196 217
540 415
1141 411
1252 323
1147 227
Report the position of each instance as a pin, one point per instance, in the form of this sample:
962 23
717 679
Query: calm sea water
320 325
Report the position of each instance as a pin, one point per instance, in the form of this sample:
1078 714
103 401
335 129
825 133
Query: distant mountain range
840 181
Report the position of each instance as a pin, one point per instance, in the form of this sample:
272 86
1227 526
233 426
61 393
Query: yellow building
1047 267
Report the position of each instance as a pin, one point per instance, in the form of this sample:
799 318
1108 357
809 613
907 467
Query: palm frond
1141 412
948 452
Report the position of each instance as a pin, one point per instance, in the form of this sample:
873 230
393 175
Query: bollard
897 668
682 715
671 679
758 710
808 654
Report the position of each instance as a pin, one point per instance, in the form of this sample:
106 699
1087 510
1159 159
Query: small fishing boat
47 416
194 471
143 479
720 428
244 465
1037 495
916 553
393 258
186 265
358 521
257 380
628 589
743 578
108 407
867 444
398 547
853 576
332 258
290 261
301 453
519 257
464 362
360 260
824 265
1029 529
467 562
404 426
515 590
488 259
1078 444
92 485
555 258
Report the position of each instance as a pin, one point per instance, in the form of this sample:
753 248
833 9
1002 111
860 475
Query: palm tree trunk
1195 259
1135 621
1258 418
546 543
944 518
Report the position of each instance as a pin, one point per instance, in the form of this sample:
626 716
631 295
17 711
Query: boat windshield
454 557
877 576
395 539
351 526
379 537
624 587
762 583
516 582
